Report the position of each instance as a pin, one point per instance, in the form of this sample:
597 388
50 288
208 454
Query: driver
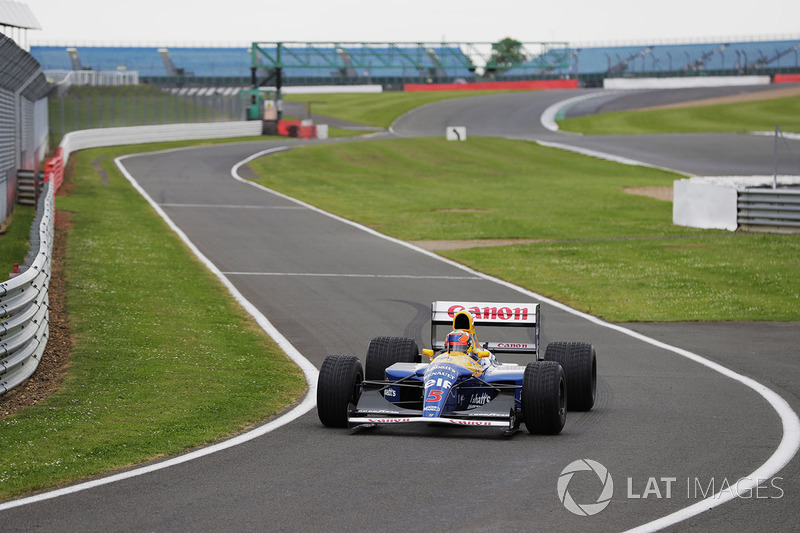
460 341
460 345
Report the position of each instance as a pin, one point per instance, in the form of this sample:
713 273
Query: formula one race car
461 381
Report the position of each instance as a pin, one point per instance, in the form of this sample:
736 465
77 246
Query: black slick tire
579 361
383 352
544 398
339 385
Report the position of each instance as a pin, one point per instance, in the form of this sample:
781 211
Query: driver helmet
458 341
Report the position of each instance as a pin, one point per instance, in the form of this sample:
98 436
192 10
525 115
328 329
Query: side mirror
484 353
428 352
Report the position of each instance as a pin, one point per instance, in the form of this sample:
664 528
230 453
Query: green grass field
760 115
606 252
15 243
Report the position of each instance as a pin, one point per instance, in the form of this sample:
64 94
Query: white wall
79 140
699 203
680 83
330 89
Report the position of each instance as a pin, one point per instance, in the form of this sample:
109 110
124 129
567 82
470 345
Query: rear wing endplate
490 314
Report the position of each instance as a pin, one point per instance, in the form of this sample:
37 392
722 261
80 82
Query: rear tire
339 385
383 352
544 398
579 361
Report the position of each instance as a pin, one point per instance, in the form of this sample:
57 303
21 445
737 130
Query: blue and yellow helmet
459 341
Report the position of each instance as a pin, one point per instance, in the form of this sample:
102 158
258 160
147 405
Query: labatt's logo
494 313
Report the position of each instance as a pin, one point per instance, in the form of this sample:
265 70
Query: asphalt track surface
329 287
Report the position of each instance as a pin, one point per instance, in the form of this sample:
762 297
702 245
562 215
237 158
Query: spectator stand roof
19 17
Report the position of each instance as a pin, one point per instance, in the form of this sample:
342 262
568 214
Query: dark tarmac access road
328 287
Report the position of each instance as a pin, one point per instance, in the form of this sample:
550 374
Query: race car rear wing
490 314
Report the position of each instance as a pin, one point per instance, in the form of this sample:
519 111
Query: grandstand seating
212 62
668 59
218 62
440 62
52 57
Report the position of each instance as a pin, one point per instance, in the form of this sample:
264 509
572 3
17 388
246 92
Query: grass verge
606 252
742 117
738 278
164 359
15 242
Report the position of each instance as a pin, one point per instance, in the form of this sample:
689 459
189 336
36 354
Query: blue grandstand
52 57
671 59
310 63
212 62
148 62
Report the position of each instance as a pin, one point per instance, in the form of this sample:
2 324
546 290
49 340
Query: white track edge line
787 448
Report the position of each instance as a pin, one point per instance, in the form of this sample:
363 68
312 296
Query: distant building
15 20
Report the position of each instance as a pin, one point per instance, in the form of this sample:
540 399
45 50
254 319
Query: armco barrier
24 315
775 210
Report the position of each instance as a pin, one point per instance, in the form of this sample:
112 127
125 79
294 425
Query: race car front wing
373 410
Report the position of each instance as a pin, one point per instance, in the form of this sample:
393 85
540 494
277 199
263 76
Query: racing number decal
434 396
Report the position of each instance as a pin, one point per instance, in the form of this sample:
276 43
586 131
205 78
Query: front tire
579 361
544 398
338 386
383 352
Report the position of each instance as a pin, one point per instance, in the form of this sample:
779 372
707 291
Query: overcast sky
209 22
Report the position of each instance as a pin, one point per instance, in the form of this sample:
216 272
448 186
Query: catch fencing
85 108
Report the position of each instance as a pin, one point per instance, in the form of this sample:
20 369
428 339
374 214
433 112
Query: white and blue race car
460 381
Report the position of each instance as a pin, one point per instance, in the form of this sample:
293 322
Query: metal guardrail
769 209
24 302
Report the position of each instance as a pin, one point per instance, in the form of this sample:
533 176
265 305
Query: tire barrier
24 303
